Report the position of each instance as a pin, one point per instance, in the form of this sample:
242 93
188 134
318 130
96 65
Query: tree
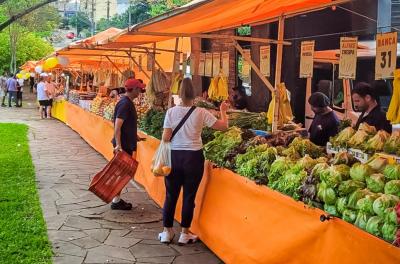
82 20
159 7
23 13
138 12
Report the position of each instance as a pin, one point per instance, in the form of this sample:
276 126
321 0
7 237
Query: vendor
325 123
365 101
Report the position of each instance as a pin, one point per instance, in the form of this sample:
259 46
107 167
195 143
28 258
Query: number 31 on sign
386 55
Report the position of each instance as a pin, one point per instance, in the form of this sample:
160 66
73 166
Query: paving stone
103 253
67 260
55 222
124 242
65 235
81 223
150 242
119 233
144 234
67 248
71 201
86 242
143 213
98 234
190 248
200 258
160 260
148 251
67 228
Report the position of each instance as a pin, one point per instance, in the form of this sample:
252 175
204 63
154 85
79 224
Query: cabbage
389 232
362 220
377 164
350 186
326 194
374 225
367 128
349 216
391 216
320 167
366 204
357 195
278 167
343 158
341 204
393 187
358 139
344 136
331 177
376 183
376 142
360 171
331 209
344 171
392 172
384 202
306 162
392 145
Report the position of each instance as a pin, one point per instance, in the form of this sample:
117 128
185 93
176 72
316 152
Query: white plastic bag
161 164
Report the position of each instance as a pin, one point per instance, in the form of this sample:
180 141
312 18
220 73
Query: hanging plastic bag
161 164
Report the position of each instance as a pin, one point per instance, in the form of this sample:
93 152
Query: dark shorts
50 102
44 102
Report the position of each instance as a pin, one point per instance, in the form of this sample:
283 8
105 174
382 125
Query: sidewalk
81 227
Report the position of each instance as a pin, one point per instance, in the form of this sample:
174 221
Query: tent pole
278 71
113 64
137 64
254 67
173 71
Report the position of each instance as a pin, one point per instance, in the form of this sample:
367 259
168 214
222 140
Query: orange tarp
209 16
243 222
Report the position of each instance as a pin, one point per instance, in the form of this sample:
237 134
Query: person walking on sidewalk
125 129
42 96
20 90
3 89
51 92
12 89
187 158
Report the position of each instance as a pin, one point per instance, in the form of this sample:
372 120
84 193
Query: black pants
12 94
187 172
19 98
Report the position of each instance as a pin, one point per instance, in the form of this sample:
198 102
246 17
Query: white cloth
41 92
189 136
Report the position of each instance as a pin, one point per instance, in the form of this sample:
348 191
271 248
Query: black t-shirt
375 118
323 127
125 109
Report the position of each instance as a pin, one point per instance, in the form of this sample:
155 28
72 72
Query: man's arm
117 133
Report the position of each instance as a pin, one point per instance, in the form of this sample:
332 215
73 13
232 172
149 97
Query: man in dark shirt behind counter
325 123
365 101
125 129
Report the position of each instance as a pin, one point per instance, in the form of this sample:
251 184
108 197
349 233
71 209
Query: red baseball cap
131 84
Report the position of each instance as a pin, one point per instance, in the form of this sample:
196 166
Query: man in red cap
125 129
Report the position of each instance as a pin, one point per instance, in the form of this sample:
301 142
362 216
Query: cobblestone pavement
81 227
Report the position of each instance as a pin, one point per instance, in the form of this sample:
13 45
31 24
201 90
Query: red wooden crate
113 178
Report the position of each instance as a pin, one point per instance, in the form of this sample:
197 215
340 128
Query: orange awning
209 16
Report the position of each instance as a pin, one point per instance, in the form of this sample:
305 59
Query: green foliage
23 236
83 21
159 7
244 31
31 47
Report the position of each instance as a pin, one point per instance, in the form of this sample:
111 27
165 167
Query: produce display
73 97
218 90
152 123
362 194
99 104
367 139
157 92
109 111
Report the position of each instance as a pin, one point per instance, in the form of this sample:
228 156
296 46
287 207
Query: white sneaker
187 238
166 237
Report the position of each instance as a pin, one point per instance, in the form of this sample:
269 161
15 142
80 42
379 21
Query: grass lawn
23 236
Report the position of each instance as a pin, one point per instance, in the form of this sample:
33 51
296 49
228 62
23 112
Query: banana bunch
176 82
393 113
285 114
218 90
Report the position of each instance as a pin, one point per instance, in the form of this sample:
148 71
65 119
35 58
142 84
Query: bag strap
183 121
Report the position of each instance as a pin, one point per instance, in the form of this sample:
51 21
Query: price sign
202 60
216 64
265 60
225 63
348 58
307 59
208 70
386 55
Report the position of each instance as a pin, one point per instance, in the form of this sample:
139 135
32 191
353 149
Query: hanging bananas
285 114
218 89
393 113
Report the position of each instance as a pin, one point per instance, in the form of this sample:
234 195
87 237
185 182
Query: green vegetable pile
152 123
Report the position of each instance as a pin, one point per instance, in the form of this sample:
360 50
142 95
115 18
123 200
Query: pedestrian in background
3 89
12 89
51 92
42 96
20 90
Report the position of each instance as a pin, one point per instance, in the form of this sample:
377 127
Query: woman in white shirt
187 159
43 96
